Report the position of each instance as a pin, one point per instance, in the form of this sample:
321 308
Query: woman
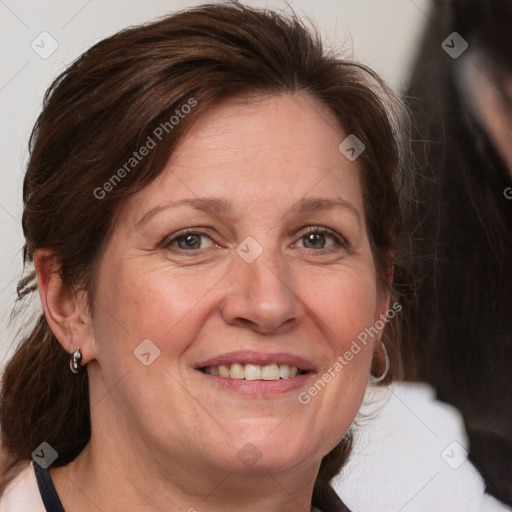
210 208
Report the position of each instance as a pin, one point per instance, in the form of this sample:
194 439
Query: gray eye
315 239
190 242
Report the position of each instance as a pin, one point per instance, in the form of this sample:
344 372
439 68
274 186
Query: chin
273 452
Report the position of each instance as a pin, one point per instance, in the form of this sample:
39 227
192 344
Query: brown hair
103 108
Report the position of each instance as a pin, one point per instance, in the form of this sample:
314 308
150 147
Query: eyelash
340 242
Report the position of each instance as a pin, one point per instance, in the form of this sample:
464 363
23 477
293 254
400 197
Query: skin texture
163 437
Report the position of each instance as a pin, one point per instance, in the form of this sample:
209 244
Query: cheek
345 307
343 303
136 301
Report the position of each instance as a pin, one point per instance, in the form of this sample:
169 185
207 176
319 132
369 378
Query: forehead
258 152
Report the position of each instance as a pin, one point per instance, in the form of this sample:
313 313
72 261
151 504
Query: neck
117 477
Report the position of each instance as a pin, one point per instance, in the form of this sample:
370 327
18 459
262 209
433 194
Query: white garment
22 494
410 455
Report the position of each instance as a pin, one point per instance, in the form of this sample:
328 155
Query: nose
261 296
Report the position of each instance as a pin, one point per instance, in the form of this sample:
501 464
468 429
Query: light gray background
382 33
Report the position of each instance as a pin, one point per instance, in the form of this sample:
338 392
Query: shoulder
410 450
22 493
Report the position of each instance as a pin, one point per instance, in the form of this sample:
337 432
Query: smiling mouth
248 371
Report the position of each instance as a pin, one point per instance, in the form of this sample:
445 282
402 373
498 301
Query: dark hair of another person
103 108
461 325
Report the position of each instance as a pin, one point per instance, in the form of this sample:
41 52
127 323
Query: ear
65 310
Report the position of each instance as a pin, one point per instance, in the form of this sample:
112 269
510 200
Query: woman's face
245 286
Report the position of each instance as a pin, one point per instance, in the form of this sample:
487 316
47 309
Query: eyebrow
212 205
220 207
314 204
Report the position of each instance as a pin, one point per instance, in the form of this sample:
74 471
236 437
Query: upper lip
259 358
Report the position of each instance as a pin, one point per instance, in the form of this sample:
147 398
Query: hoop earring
74 361
375 380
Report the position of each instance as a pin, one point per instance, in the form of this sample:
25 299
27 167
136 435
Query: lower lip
258 387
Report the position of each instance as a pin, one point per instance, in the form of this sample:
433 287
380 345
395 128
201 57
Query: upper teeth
253 371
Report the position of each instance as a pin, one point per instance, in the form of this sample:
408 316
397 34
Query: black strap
47 490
